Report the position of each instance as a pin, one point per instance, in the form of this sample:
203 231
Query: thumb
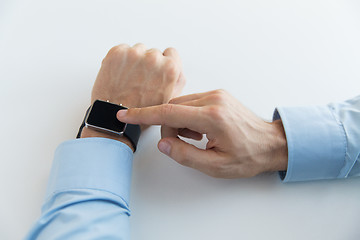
186 154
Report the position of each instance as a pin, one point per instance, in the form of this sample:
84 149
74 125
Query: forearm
88 191
89 185
323 141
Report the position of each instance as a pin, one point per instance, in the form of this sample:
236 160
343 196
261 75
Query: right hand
240 144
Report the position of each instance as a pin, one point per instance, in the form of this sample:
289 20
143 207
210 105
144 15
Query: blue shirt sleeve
88 192
323 141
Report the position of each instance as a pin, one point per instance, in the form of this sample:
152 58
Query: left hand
137 77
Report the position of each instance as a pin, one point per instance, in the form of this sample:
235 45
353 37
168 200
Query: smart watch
101 116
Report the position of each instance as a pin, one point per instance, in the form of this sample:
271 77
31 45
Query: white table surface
266 53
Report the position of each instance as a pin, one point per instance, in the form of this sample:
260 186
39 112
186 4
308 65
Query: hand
240 144
137 77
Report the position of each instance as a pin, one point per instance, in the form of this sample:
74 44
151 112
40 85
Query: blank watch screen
103 114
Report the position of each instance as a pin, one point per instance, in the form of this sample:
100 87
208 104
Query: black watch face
103 116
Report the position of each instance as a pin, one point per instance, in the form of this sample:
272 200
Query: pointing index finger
172 115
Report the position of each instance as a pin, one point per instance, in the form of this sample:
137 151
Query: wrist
277 155
87 132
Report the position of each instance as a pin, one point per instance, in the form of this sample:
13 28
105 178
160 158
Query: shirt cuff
92 163
316 143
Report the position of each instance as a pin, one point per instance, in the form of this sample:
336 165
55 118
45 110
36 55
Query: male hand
240 144
137 77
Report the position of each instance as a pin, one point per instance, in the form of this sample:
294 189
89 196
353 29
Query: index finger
175 116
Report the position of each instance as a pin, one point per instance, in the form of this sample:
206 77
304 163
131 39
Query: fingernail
164 147
122 113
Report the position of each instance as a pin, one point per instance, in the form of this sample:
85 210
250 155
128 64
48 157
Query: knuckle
115 52
112 51
170 50
220 91
218 98
139 44
215 112
166 110
134 53
118 49
152 57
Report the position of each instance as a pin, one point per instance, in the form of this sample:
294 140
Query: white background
266 53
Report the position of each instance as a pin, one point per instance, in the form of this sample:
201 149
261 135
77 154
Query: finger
123 45
179 85
191 97
116 49
195 103
171 115
140 47
184 132
153 51
152 57
187 154
172 53
201 102
168 131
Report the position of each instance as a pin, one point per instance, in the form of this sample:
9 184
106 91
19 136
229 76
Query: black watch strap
82 124
132 131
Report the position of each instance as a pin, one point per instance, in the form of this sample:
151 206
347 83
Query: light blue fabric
323 141
88 192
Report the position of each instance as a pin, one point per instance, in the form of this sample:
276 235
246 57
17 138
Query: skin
240 144
137 77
